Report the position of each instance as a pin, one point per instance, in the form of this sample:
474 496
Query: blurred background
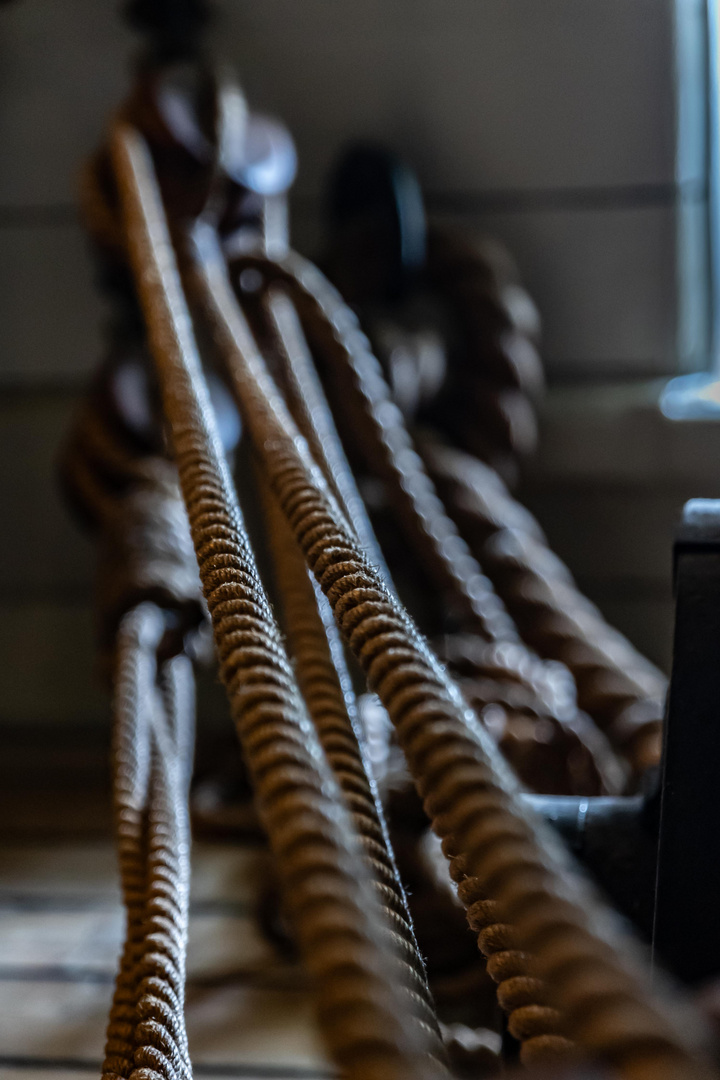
580 134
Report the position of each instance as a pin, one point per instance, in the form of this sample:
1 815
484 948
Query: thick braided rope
446 556
637 726
535 1024
617 686
333 910
311 627
600 992
332 708
138 636
533 984
161 1037
146 1037
334 331
490 405
311 412
499 663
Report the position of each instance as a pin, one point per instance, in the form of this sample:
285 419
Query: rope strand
361 1005
334 713
468 792
153 735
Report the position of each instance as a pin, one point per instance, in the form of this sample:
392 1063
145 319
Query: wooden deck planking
249 1013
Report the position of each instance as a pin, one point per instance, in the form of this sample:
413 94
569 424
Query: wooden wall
559 127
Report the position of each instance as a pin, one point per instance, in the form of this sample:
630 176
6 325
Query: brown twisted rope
495 676
630 722
160 1035
253 405
497 368
309 408
629 714
521 994
131 753
333 332
325 686
487 401
601 996
130 498
334 912
146 1037
617 686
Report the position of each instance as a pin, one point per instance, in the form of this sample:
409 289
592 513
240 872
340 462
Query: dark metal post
686 932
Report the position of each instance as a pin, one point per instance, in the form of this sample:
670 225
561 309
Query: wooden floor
248 1011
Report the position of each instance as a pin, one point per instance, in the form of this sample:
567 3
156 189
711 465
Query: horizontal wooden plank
476 94
604 283
34 1068
82 945
227 1026
84 873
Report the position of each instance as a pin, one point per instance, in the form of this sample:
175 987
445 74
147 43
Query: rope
310 410
488 396
324 683
334 333
494 677
152 743
628 715
130 498
600 994
621 690
361 1004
